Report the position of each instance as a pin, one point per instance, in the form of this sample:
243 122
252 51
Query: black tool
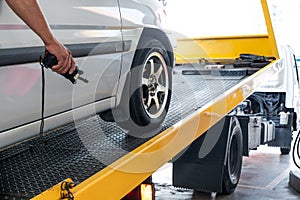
252 61
48 60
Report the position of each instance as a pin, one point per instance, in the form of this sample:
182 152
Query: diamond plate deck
83 148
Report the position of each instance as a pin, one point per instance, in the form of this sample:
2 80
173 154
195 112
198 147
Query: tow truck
213 121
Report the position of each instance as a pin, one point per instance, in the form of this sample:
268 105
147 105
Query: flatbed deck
84 148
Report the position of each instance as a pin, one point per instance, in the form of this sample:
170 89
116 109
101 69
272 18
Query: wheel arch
162 37
150 40
146 33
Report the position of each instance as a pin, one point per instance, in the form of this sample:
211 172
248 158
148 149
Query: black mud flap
283 134
203 173
283 138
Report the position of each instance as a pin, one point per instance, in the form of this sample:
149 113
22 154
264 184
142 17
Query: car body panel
89 21
103 45
137 17
90 26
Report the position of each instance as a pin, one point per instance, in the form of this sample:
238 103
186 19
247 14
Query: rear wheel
233 166
148 90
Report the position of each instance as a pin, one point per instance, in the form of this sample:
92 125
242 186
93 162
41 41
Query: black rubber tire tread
285 151
234 158
139 122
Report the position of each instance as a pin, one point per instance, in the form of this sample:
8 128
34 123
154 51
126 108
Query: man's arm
30 12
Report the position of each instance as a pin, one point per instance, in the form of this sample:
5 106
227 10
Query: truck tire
148 90
234 158
285 151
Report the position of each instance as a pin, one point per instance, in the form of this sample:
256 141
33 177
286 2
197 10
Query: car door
92 31
20 78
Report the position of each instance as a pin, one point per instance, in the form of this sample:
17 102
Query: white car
120 45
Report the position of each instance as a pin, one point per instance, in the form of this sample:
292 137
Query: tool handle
48 60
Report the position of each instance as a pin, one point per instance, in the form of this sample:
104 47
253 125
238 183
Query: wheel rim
155 85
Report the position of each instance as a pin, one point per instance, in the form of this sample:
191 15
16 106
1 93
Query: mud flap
203 173
283 138
283 134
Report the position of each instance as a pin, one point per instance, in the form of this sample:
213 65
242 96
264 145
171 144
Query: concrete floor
265 175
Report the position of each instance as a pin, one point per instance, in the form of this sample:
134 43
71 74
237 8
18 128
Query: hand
66 62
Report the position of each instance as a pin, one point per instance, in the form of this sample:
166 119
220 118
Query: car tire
147 92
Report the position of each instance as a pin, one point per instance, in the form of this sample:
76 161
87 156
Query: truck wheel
149 89
234 158
285 151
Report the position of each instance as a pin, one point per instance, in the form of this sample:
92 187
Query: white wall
194 18
215 17
286 21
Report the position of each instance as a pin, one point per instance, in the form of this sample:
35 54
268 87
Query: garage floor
265 175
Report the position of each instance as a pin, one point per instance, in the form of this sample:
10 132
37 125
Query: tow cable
48 60
41 133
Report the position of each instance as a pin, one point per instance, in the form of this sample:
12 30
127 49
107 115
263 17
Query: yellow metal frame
139 164
54 192
142 162
228 47
271 34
